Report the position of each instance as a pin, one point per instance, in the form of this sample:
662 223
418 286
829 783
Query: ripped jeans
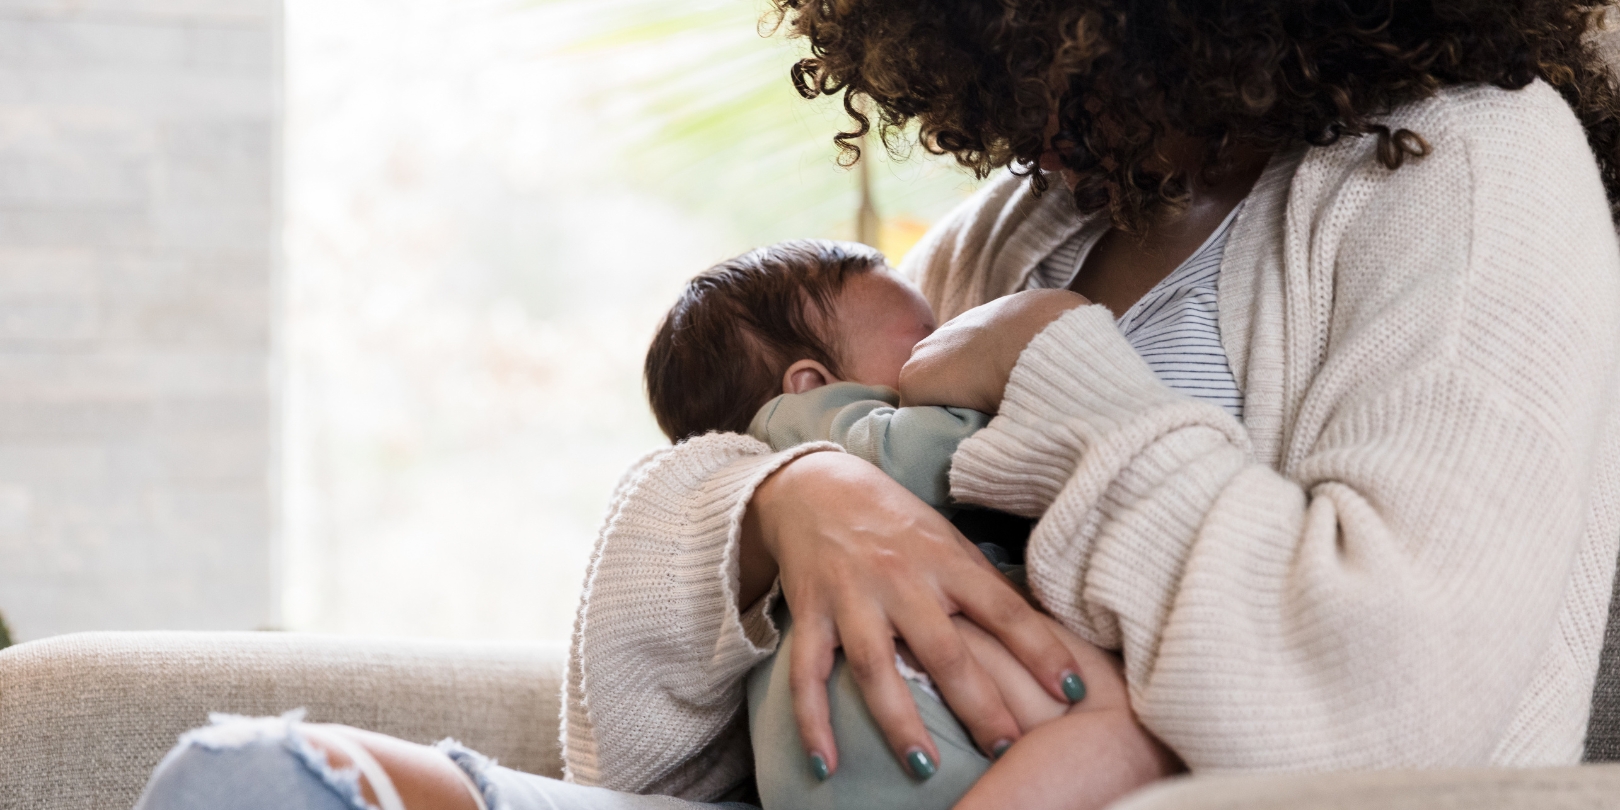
267 763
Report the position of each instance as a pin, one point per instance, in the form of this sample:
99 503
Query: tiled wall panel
138 154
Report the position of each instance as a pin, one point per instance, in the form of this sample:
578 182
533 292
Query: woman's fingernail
1073 688
922 766
1000 748
818 767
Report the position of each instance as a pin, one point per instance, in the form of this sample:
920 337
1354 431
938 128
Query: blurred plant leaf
701 107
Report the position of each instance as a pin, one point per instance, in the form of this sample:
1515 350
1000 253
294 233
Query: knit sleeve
653 696
1385 595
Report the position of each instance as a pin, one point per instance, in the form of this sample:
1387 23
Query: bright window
489 205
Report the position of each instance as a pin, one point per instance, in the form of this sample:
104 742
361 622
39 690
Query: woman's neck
1122 268
1209 199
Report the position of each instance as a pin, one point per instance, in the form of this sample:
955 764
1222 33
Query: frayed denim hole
345 782
230 732
476 766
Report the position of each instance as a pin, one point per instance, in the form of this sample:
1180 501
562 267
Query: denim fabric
255 764
242 763
524 791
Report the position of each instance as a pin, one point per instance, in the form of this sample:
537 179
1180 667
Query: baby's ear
805 375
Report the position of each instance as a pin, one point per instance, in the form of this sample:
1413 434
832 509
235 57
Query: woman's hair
720 353
982 78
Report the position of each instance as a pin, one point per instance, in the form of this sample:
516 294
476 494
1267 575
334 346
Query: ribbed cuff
1084 416
1081 580
659 632
1077 382
752 633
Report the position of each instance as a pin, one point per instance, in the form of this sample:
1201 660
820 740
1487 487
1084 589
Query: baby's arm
1041 771
1038 771
912 445
967 361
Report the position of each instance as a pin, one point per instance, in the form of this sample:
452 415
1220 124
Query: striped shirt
1175 326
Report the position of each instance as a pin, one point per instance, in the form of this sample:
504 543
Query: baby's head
781 319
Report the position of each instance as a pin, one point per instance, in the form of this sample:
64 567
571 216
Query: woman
1400 556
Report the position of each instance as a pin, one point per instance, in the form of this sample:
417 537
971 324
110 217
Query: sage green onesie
914 446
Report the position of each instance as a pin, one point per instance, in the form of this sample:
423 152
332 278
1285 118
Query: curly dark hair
982 78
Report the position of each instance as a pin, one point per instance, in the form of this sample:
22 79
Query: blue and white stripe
1175 327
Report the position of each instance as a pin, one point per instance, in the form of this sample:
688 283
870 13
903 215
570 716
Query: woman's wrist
757 553
756 565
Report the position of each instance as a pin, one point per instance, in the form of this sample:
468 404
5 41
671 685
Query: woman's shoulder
1530 132
954 240
984 247
1484 154
1506 194
1525 123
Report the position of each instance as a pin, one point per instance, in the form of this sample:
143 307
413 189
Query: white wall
138 140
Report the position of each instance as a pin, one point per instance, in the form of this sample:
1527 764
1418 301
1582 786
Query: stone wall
138 181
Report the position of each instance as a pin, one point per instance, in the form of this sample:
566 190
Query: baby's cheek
884 364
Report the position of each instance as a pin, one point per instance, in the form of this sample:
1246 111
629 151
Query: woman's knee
277 762
417 776
250 763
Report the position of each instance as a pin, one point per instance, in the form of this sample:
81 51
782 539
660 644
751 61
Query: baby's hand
966 362
1085 760
1082 756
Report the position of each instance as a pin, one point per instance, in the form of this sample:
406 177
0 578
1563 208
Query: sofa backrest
85 717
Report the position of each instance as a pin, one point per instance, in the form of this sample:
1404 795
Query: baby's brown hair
720 353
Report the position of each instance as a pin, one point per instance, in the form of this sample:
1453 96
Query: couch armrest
1586 786
85 717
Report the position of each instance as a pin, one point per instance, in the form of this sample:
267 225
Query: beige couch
85 717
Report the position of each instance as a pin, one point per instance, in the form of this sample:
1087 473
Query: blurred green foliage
698 95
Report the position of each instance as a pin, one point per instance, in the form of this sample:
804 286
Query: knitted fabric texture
1401 558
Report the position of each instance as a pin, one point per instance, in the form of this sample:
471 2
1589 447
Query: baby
804 341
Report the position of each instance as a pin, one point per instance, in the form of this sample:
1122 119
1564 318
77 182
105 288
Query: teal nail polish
1073 688
818 767
921 766
1000 748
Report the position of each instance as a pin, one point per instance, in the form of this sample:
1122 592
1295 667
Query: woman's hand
862 562
966 362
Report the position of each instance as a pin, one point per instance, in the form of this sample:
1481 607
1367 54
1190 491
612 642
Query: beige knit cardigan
1402 557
